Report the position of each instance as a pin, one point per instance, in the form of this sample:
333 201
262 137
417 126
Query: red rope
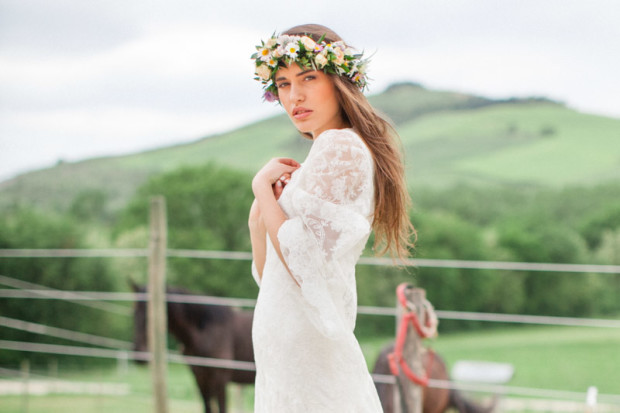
413 317
396 358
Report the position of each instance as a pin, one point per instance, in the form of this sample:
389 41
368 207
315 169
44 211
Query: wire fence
250 303
119 349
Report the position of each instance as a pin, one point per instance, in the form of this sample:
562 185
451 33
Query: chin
303 129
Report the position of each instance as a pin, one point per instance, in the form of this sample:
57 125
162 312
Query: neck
177 325
341 124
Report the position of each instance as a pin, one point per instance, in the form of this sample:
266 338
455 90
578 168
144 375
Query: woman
309 224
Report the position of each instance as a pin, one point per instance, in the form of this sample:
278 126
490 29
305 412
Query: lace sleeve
323 238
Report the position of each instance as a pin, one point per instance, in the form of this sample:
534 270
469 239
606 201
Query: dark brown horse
433 400
205 331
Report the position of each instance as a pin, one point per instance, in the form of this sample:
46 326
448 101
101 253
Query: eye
310 77
282 84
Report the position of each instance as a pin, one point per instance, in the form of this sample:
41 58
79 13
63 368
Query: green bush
207 209
25 228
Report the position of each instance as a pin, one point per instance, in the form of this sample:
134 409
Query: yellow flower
264 53
291 49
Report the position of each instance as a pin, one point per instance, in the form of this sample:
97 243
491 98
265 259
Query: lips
301 112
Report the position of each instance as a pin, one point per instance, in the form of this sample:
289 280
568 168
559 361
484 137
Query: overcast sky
80 79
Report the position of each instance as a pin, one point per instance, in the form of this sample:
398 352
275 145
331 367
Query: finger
277 189
289 161
288 169
285 178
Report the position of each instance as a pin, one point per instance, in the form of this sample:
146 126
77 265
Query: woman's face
309 98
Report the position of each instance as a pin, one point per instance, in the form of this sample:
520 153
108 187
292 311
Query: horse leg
202 375
206 398
221 396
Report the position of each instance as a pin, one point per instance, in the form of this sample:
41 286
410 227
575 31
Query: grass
557 358
182 393
509 144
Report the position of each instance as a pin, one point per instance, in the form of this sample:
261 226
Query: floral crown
334 58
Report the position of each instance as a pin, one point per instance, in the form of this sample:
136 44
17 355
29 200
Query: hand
278 187
272 171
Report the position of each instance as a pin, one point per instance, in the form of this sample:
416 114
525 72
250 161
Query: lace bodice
329 203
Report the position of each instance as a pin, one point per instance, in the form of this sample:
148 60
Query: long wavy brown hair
394 232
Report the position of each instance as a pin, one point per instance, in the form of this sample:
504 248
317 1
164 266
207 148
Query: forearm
258 235
272 215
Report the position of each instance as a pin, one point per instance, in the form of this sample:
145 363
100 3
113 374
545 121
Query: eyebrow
298 74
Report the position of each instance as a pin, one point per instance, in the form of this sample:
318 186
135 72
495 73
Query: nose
297 94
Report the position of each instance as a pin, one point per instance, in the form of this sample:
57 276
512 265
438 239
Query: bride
309 224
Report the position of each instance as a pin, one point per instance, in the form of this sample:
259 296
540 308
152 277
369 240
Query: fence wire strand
246 256
366 310
63 333
44 291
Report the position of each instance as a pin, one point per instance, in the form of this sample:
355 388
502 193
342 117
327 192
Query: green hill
448 138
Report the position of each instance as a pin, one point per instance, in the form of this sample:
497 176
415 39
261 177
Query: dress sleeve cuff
255 273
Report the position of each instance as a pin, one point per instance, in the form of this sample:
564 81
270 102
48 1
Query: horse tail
464 405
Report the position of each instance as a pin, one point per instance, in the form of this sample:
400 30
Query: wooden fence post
408 395
156 320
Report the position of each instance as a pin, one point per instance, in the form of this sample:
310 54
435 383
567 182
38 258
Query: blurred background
510 124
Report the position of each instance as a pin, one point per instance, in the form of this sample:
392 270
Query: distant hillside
448 138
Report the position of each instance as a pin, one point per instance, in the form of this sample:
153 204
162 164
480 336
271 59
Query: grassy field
183 396
557 358
509 144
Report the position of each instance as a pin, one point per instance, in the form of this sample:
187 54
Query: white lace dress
307 358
